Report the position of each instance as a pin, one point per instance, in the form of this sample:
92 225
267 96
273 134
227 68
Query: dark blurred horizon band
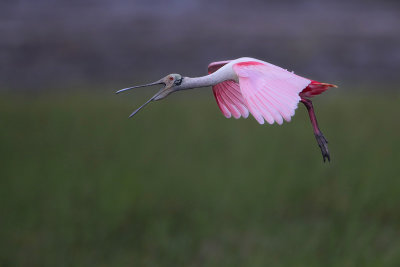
64 44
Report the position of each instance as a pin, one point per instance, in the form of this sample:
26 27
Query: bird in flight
250 86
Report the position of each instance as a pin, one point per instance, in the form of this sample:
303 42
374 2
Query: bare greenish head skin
171 81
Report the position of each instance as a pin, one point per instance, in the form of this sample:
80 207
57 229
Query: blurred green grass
179 185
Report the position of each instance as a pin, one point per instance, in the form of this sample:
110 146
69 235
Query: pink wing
269 92
229 98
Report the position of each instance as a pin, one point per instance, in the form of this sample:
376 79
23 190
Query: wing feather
221 104
278 103
233 96
230 104
255 109
268 104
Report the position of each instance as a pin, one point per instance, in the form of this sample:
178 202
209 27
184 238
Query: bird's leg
321 140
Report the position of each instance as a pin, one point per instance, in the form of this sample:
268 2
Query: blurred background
180 185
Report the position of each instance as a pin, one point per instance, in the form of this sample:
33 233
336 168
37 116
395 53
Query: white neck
209 80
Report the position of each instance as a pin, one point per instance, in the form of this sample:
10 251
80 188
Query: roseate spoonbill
247 85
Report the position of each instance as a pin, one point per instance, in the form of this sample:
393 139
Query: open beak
138 86
148 101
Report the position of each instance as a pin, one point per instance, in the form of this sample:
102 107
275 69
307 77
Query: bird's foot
323 145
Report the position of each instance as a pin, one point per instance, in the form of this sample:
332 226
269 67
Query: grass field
180 185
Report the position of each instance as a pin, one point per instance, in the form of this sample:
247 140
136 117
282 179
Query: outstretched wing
270 92
229 98
267 91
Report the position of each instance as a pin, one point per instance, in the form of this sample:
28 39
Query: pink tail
315 88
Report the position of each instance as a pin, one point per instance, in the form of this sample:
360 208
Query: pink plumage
267 91
315 88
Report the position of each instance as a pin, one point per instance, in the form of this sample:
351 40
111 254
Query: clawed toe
323 145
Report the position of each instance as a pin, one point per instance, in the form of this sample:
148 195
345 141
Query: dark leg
321 140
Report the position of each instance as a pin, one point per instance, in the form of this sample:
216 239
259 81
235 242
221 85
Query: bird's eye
171 78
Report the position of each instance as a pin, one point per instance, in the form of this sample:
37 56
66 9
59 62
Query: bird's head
171 84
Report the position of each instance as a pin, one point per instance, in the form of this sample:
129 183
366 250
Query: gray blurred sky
60 44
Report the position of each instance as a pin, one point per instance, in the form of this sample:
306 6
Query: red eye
171 78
